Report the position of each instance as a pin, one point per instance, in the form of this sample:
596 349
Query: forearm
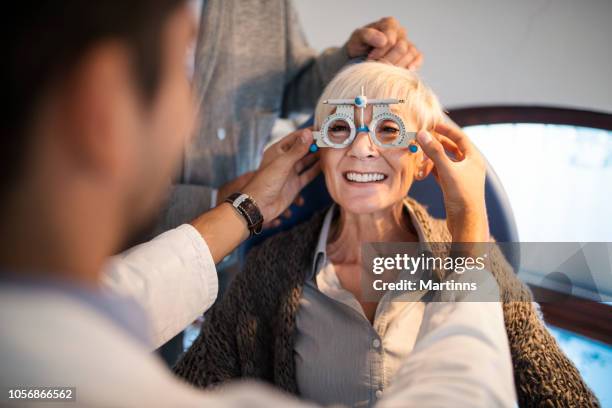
223 229
470 224
304 88
307 72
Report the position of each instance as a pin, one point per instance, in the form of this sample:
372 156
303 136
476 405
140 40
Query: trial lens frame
345 112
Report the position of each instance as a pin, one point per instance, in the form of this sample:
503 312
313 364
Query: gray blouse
341 358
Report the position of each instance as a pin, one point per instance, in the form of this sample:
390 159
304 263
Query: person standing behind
252 66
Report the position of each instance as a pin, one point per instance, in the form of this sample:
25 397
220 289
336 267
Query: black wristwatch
246 206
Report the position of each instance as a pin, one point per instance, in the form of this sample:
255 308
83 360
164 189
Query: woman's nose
363 147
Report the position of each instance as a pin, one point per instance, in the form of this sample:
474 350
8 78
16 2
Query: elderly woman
297 316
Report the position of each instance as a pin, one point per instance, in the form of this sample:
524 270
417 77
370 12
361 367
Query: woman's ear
424 166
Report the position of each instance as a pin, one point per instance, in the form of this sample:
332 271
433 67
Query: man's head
99 105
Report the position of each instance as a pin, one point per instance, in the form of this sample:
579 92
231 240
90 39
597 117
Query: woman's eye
389 129
339 129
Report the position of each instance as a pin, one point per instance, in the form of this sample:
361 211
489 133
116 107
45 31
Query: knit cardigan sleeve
543 374
212 358
234 339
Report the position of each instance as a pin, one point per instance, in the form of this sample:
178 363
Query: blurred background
491 52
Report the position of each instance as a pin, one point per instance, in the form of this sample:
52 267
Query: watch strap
246 206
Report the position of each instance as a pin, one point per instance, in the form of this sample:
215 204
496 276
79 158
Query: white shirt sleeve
461 358
173 277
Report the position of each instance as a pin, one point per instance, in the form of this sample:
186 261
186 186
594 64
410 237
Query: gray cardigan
252 66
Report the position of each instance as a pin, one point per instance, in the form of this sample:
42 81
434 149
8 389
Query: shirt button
378 393
376 343
221 133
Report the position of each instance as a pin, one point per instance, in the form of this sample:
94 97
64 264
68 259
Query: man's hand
285 170
385 40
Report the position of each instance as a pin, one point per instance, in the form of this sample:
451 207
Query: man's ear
100 109
424 166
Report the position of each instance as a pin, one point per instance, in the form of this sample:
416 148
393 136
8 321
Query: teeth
364 177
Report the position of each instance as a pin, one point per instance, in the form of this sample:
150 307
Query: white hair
382 80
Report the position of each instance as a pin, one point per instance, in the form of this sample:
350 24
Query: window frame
582 316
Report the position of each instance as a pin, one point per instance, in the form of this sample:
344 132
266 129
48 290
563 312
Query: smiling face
364 177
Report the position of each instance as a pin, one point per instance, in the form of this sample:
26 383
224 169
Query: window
556 168
592 358
558 178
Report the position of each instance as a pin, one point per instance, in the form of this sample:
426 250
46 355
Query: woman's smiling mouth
357 177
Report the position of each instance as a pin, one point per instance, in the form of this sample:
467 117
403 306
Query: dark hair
44 40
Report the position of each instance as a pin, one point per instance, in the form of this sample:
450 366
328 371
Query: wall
483 52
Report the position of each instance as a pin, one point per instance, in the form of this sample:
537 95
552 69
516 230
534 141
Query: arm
307 72
461 358
188 201
173 276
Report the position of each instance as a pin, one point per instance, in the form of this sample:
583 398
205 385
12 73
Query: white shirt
52 338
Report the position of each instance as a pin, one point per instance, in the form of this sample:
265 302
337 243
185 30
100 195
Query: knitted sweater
250 332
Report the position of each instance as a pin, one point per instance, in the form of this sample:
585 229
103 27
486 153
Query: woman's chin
362 205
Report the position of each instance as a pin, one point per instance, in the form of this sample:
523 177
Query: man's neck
60 237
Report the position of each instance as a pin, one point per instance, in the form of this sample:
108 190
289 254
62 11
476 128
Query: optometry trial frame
386 129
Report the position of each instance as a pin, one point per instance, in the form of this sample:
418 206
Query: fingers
309 175
306 162
391 28
397 50
451 147
293 148
417 62
286 142
434 150
372 37
456 135
395 54
411 59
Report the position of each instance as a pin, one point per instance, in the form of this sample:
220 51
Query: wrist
469 225
246 207
259 199
222 229
236 220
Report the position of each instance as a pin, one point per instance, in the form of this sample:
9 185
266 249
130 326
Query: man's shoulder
51 339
